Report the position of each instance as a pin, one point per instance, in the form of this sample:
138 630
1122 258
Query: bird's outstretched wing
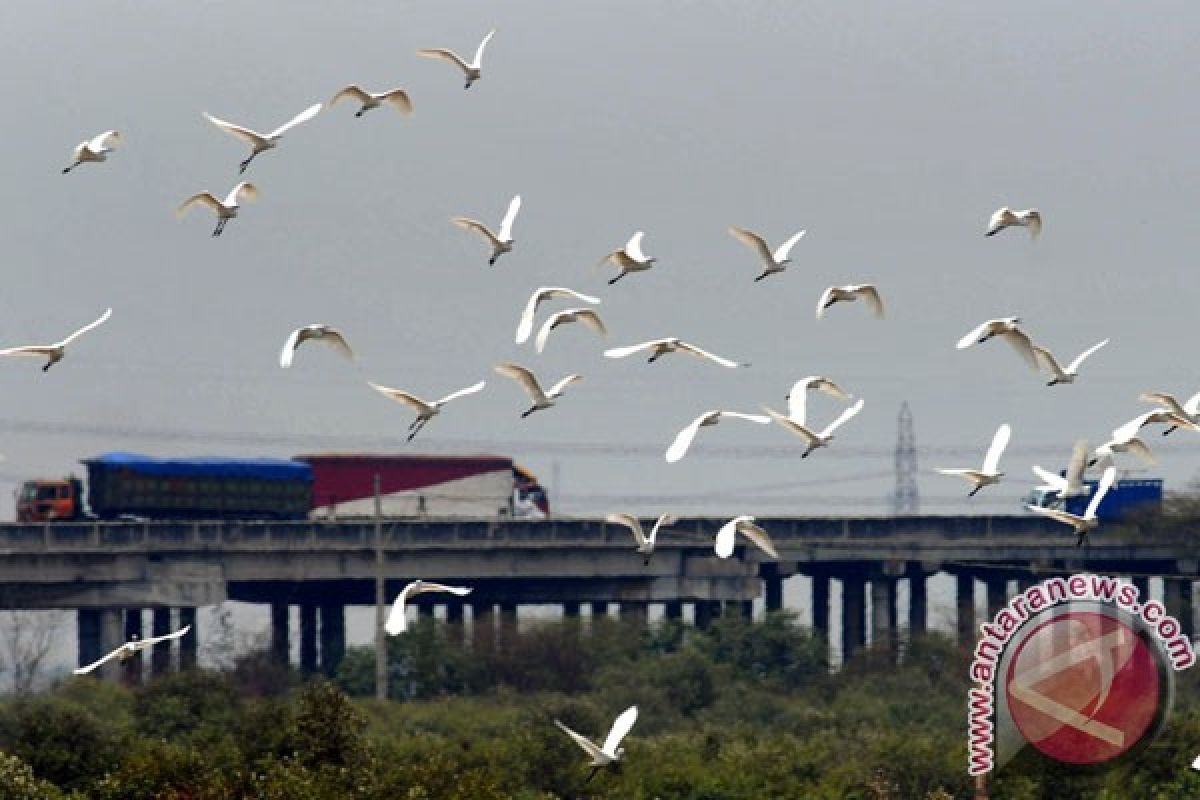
632 523
1056 482
1065 517
1164 399
28 350
696 351
999 442
1106 482
506 224
870 294
353 90
411 400
972 336
825 297
622 352
1049 360
1079 359
587 745
100 662
754 242
758 535
400 99
557 388
445 55
289 348
525 377
166 637
633 248
727 536
103 318
1018 340
620 728
1035 223
303 116
781 252
203 198
104 141
792 425
251 137
683 439
472 389
242 192
759 418
843 418
477 62
525 326
468 224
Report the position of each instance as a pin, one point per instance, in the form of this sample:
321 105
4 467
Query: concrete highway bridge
109 572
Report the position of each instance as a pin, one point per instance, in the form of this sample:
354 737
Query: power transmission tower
905 499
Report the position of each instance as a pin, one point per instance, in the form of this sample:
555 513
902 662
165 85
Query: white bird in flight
1088 522
54 352
629 258
1071 484
585 315
1071 372
1125 440
397 97
1158 416
683 439
425 410
261 142
775 262
132 648
472 71
541 294
611 752
797 398
1006 218
1189 410
225 209
645 543
670 344
847 294
1006 328
502 242
397 622
95 149
988 473
815 439
746 526
529 382
322 333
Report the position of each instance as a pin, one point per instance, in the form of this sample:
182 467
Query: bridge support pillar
333 637
571 609
188 643
131 670
1177 597
88 632
918 601
703 611
508 624
746 607
160 625
820 604
112 626
880 612
997 594
893 607
454 612
483 627
1142 582
673 609
635 612
772 588
964 599
308 638
853 614
281 643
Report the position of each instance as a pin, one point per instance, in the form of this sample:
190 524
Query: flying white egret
585 315
396 621
645 543
847 294
502 242
541 294
529 382
472 71
95 149
629 258
1157 416
611 752
1125 440
225 209
775 262
322 333
988 473
1189 410
1071 372
746 526
54 352
797 398
1006 328
1088 522
683 440
262 142
670 344
1006 218
425 410
1071 484
132 648
397 97
815 439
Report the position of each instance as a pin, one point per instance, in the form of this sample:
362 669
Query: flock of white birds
630 259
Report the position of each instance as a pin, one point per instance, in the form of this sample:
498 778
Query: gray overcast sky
889 130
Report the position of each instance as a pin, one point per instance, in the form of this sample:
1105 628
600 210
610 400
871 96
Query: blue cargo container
1125 496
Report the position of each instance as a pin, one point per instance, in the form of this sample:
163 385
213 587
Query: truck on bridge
1125 496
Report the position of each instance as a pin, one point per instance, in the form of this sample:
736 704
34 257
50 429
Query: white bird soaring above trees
540 295
629 258
848 294
132 648
322 333
1006 218
989 472
1088 522
262 142
529 382
683 439
585 315
425 410
1006 328
502 242
225 209
797 398
95 149
1189 410
472 71
367 100
1071 372
746 526
397 621
774 262
670 344
611 752
54 352
645 543
1071 484
815 439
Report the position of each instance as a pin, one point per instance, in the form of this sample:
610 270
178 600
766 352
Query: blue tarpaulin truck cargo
1126 495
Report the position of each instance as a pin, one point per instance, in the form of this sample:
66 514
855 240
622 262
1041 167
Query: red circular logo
1084 687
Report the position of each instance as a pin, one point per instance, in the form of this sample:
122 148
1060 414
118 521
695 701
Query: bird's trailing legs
73 166
591 775
620 275
526 413
974 491
242 166
1079 539
220 226
415 428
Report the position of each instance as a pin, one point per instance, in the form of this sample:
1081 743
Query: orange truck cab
46 500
